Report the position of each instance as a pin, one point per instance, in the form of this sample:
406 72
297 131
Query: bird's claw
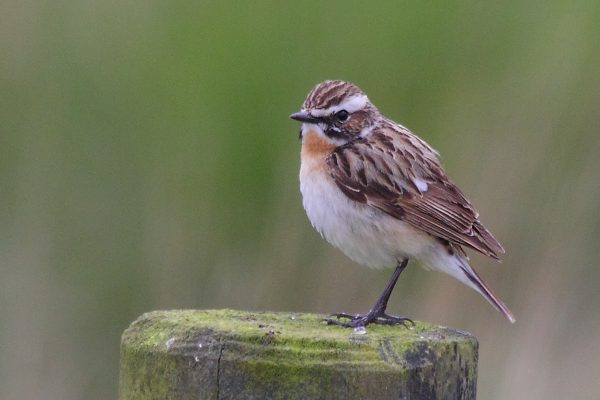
362 320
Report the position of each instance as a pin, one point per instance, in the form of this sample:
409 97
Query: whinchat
378 192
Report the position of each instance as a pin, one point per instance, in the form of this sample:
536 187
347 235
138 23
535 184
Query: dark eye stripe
337 133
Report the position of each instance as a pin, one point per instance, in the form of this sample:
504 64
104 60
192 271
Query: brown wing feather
382 170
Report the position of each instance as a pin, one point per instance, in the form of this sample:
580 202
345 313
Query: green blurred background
147 162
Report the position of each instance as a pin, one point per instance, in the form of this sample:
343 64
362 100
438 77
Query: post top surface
229 354
296 338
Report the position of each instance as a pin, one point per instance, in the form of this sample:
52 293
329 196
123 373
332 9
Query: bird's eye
342 115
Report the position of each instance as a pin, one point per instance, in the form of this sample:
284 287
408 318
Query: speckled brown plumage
381 170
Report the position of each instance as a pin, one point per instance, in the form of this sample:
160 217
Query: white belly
363 233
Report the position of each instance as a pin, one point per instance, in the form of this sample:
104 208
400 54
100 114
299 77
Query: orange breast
314 150
315 145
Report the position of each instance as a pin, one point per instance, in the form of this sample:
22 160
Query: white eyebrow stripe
351 105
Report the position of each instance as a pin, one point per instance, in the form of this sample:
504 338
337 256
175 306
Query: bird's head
337 110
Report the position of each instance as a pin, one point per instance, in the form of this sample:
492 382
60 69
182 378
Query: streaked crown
330 93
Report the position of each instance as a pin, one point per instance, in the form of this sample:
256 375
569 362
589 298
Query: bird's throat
315 144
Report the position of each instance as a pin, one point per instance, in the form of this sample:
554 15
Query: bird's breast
364 233
315 149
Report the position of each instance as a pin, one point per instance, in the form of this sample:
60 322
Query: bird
377 192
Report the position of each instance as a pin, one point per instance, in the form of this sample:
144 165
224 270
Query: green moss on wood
226 354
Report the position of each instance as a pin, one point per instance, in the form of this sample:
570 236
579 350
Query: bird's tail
473 280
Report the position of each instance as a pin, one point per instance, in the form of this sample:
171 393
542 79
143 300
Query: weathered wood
227 354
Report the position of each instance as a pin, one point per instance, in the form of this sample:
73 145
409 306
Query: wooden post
227 354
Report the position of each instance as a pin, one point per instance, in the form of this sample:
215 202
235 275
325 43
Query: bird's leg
377 314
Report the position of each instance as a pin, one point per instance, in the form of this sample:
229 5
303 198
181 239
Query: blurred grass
147 162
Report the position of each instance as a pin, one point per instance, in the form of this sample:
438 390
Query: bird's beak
303 116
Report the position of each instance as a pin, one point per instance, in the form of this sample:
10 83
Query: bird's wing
394 171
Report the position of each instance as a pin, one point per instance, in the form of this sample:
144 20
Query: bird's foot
362 320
